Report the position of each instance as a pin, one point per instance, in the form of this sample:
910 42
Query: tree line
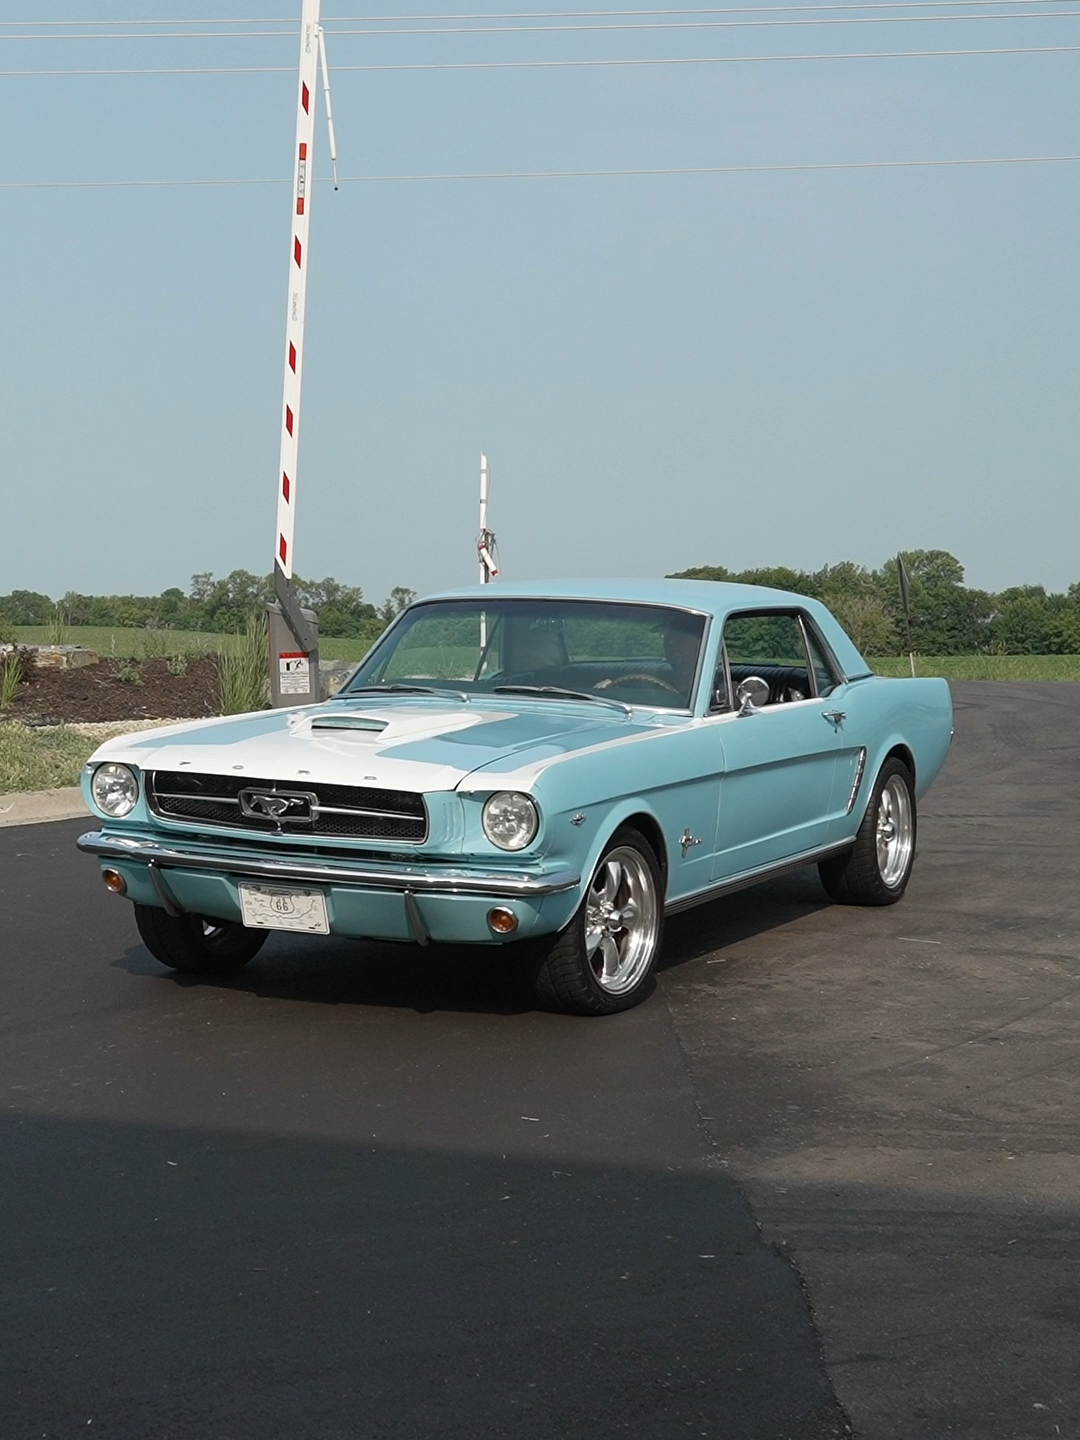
217 606
947 616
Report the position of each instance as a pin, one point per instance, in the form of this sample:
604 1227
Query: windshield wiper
561 694
395 689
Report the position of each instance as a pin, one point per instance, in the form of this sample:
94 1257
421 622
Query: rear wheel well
902 753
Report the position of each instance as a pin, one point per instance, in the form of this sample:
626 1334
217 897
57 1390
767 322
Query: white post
303 175
485 541
484 577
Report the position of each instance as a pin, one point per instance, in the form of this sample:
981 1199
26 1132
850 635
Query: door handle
834 717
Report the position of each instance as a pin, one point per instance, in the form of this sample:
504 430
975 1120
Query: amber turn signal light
114 881
503 922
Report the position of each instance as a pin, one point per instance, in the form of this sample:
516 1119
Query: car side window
768 644
821 662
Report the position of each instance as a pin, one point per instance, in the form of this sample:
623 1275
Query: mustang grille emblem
288 807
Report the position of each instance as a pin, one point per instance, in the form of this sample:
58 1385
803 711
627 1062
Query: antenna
325 69
486 544
294 674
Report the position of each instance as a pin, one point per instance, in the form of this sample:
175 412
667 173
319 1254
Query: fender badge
687 841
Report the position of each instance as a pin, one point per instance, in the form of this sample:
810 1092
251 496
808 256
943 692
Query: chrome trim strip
754 877
318 810
216 799
860 770
423 880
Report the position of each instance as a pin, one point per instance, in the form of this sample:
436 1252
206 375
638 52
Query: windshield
637 654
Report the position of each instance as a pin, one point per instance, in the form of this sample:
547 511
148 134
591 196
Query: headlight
510 820
115 790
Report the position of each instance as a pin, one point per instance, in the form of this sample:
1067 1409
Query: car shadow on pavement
490 979
707 929
338 971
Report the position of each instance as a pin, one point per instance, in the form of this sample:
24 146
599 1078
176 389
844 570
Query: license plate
284 907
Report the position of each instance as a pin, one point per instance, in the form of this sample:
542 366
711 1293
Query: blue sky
665 371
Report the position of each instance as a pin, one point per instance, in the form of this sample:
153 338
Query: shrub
244 670
10 675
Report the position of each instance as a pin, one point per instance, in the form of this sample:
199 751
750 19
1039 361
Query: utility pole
294 634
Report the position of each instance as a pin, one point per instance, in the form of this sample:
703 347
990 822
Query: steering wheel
656 680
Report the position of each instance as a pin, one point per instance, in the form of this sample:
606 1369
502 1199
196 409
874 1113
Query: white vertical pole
303 175
484 577
483 531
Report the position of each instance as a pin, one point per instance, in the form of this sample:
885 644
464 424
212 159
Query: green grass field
46 759
982 667
144 644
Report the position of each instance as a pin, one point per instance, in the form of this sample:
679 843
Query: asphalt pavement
825 1181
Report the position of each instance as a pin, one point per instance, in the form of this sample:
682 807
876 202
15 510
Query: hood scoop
339 721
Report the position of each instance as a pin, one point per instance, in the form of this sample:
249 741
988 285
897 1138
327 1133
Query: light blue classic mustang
558 764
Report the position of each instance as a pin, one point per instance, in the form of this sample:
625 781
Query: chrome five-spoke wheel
877 867
895 832
622 915
603 960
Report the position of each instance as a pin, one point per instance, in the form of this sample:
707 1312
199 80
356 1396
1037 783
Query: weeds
243 670
16 668
178 664
57 630
127 672
156 644
10 675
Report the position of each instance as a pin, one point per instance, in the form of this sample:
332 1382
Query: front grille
351 811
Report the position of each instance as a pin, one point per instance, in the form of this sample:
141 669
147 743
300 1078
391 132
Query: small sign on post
294 673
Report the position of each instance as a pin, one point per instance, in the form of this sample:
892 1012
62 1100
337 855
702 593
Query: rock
332 675
62 657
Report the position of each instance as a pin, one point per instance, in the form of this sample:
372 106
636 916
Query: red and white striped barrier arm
303 175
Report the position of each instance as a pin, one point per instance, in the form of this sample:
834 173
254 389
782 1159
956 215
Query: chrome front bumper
371 875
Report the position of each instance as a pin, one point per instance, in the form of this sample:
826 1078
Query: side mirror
752 694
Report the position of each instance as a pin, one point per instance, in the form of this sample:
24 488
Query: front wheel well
654 835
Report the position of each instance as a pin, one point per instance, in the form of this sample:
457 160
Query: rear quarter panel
885 714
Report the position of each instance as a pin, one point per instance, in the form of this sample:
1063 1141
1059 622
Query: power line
716 24
526 15
621 14
636 27
554 64
555 174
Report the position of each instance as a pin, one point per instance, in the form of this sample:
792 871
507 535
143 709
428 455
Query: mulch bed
117 690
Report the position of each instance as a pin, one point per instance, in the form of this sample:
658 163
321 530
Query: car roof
712 597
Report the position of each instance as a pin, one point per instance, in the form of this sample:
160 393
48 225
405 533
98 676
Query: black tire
876 870
196 944
597 965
